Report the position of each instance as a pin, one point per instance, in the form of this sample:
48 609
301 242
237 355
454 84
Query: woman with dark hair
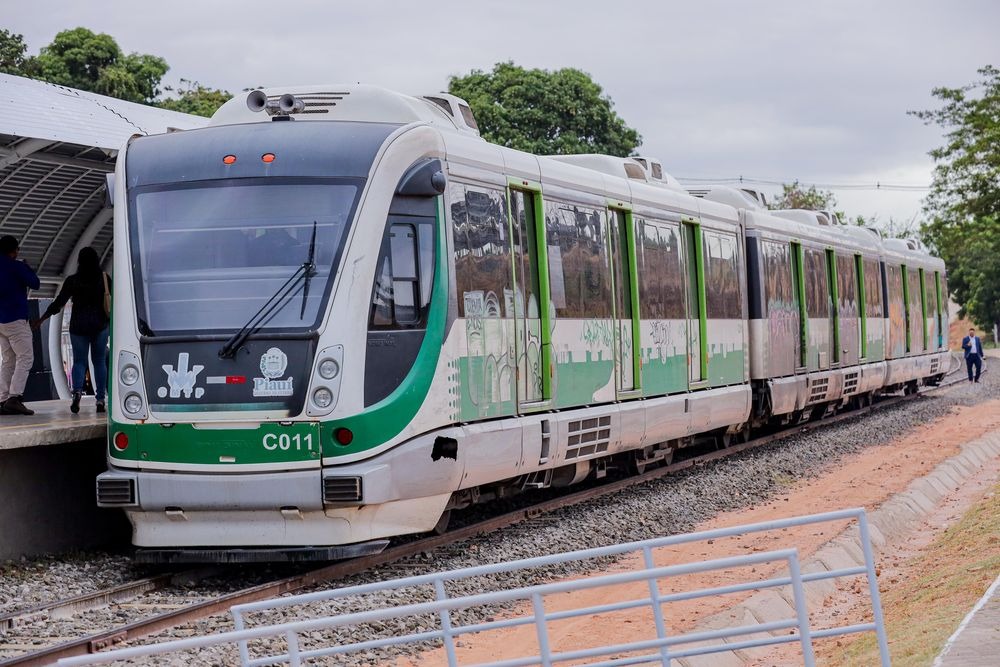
89 288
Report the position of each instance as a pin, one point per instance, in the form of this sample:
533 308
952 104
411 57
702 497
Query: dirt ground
866 480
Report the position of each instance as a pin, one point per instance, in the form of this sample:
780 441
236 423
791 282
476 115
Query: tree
78 58
544 112
964 201
12 53
795 195
194 98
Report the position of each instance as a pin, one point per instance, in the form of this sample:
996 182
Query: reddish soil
867 480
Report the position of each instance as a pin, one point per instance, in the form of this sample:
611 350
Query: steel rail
99 641
85 601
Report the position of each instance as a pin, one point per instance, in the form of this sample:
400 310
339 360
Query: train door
626 294
696 323
859 279
530 336
847 308
799 285
939 312
833 310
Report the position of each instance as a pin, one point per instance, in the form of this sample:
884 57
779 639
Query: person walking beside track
90 290
973 348
16 347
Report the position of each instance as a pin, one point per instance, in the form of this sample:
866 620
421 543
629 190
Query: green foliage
892 229
544 112
12 52
194 98
964 202
78 58
795 195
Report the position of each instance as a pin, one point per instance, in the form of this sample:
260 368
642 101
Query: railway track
193 611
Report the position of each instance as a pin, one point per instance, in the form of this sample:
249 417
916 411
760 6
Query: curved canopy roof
56 145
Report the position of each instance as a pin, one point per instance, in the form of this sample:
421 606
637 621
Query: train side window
722 283
847 292
403 283
817 289
778 292
873 289
661 275
579 269
482 252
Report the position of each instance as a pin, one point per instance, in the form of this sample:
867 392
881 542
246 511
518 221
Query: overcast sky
773 90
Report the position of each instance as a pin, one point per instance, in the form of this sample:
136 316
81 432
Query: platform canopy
56 145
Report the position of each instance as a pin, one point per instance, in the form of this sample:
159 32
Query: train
340 314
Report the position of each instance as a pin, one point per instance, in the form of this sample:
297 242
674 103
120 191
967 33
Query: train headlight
129 375
322 397
328 369
133 404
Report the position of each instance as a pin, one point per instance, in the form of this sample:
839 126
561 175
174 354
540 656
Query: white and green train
340 314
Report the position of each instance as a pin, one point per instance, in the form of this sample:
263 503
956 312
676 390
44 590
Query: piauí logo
272 365
182 379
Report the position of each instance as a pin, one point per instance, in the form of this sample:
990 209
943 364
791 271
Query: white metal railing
664 648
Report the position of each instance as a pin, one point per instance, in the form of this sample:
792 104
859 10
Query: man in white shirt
973 348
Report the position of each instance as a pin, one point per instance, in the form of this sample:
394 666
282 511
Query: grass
934 594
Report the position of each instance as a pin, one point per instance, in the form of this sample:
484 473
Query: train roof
820 227
357 102
639 181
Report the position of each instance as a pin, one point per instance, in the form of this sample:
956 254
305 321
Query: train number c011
285 442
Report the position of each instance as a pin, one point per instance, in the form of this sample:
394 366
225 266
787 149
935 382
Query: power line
877 185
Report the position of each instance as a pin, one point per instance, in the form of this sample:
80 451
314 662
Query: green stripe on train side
386 419
183 443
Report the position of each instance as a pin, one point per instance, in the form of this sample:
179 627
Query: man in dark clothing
973 348
16 348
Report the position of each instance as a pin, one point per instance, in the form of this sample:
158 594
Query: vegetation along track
194 608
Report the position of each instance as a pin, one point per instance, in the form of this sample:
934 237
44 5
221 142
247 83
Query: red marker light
344 436
267 157
229 159
121 441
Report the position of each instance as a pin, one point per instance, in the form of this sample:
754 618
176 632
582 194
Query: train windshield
207 256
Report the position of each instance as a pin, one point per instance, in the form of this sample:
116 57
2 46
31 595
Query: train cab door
531 331
697 325
626 300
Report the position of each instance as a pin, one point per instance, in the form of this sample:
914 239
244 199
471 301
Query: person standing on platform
90 290
973 348
16 346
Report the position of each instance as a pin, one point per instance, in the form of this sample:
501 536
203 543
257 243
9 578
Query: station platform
52 424
976 642
48 464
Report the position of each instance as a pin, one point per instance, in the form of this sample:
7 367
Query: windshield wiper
310 268
268 310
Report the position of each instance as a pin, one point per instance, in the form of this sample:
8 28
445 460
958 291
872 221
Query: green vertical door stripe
542 262
923 305
633 282
831 276
940 309
386 419
906 304
799 261
859 269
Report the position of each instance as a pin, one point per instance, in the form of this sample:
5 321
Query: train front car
245 255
